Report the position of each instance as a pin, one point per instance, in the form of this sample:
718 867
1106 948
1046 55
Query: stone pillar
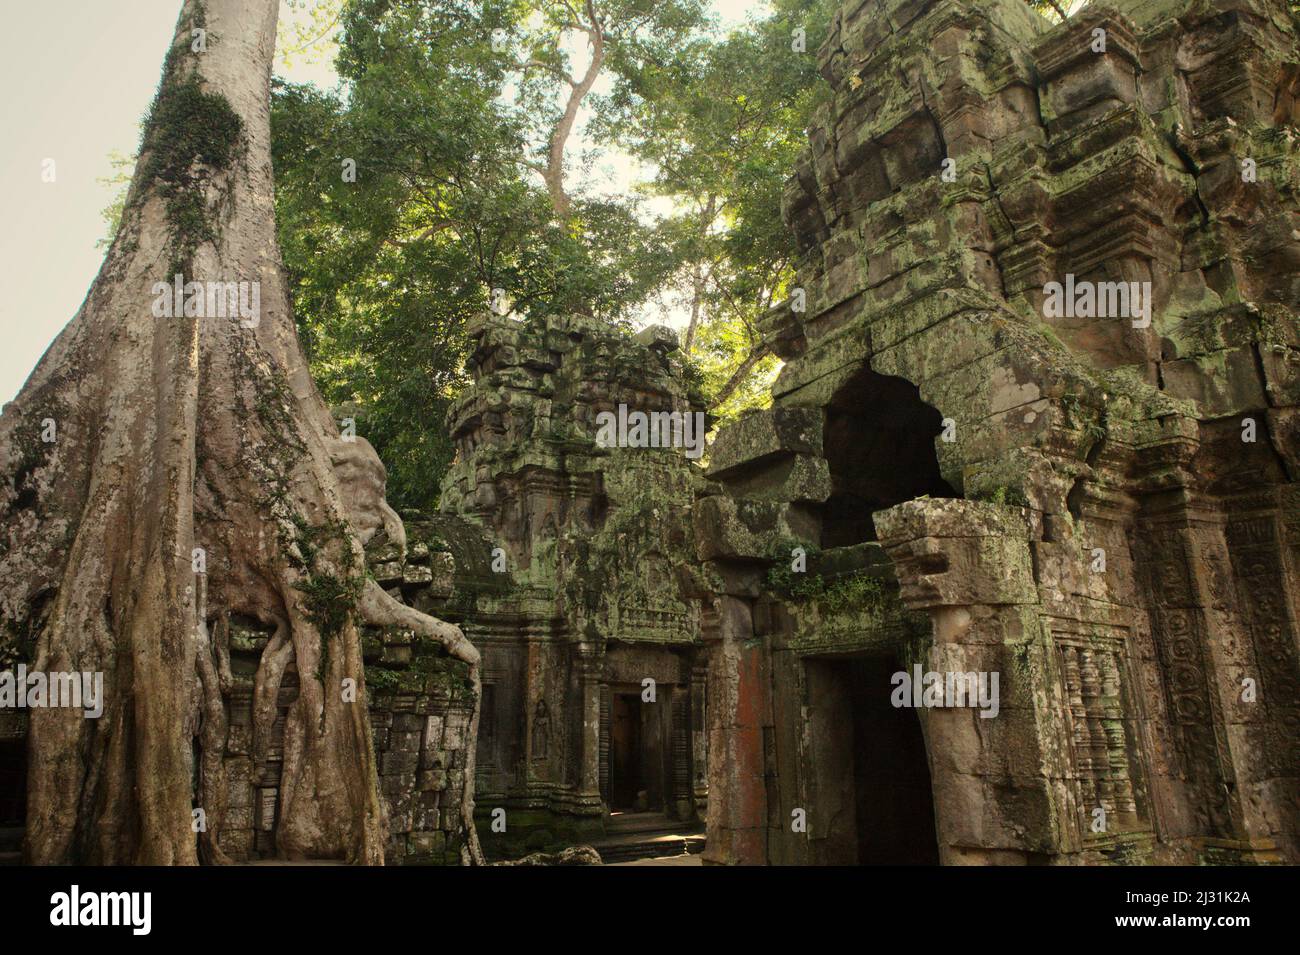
603 755
700 736
738 688
590 663
1216 583
683 805
968 565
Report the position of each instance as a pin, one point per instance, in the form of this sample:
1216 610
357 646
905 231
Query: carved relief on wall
1163 562
1102 716
1270 658
541 733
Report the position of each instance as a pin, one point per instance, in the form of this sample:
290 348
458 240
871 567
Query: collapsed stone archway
879 444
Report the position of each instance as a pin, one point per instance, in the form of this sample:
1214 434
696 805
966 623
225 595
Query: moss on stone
1005 496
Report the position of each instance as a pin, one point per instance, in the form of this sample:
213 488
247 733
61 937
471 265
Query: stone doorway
13 783
872 799
628 780
650 744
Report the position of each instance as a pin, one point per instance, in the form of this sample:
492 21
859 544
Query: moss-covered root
378 609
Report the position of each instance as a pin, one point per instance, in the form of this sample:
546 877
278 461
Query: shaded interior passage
625 754
891 774
870 777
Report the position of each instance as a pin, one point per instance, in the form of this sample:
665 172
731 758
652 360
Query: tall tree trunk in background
553 173
699 277
176 433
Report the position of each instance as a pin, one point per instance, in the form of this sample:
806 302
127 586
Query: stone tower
570 566
1038 422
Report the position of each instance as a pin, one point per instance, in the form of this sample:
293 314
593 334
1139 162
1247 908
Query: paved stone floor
684 859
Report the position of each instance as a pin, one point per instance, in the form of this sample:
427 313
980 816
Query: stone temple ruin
1097 505
1104 514
572 567
1101 510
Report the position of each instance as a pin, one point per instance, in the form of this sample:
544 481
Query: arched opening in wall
872 802
879 443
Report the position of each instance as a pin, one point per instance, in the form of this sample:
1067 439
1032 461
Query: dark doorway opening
13 783
879 443
891 773
626 787
870 775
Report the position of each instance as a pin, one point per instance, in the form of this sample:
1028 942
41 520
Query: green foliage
783 580
429 661
379 679
448 132
330 601
385 271
1054 10
305 30
721 346
856 591
849 593
120 182
721 121
543 35
1005 496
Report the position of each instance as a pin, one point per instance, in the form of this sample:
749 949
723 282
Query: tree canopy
440 180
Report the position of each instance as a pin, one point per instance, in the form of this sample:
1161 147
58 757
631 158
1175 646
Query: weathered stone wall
1126 545
420 708
420 705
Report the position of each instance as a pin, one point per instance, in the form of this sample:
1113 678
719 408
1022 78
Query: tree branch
761 350
554 173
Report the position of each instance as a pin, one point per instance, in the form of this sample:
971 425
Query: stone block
657 336
404 741
433 731
801 479
407 723
426 843
435 759
397 784
762 435
432 780
746 529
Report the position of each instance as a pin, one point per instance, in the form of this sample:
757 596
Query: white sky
77 77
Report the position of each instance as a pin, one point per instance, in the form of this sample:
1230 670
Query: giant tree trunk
176 433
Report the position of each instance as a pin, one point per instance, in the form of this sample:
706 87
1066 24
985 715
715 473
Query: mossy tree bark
186 432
